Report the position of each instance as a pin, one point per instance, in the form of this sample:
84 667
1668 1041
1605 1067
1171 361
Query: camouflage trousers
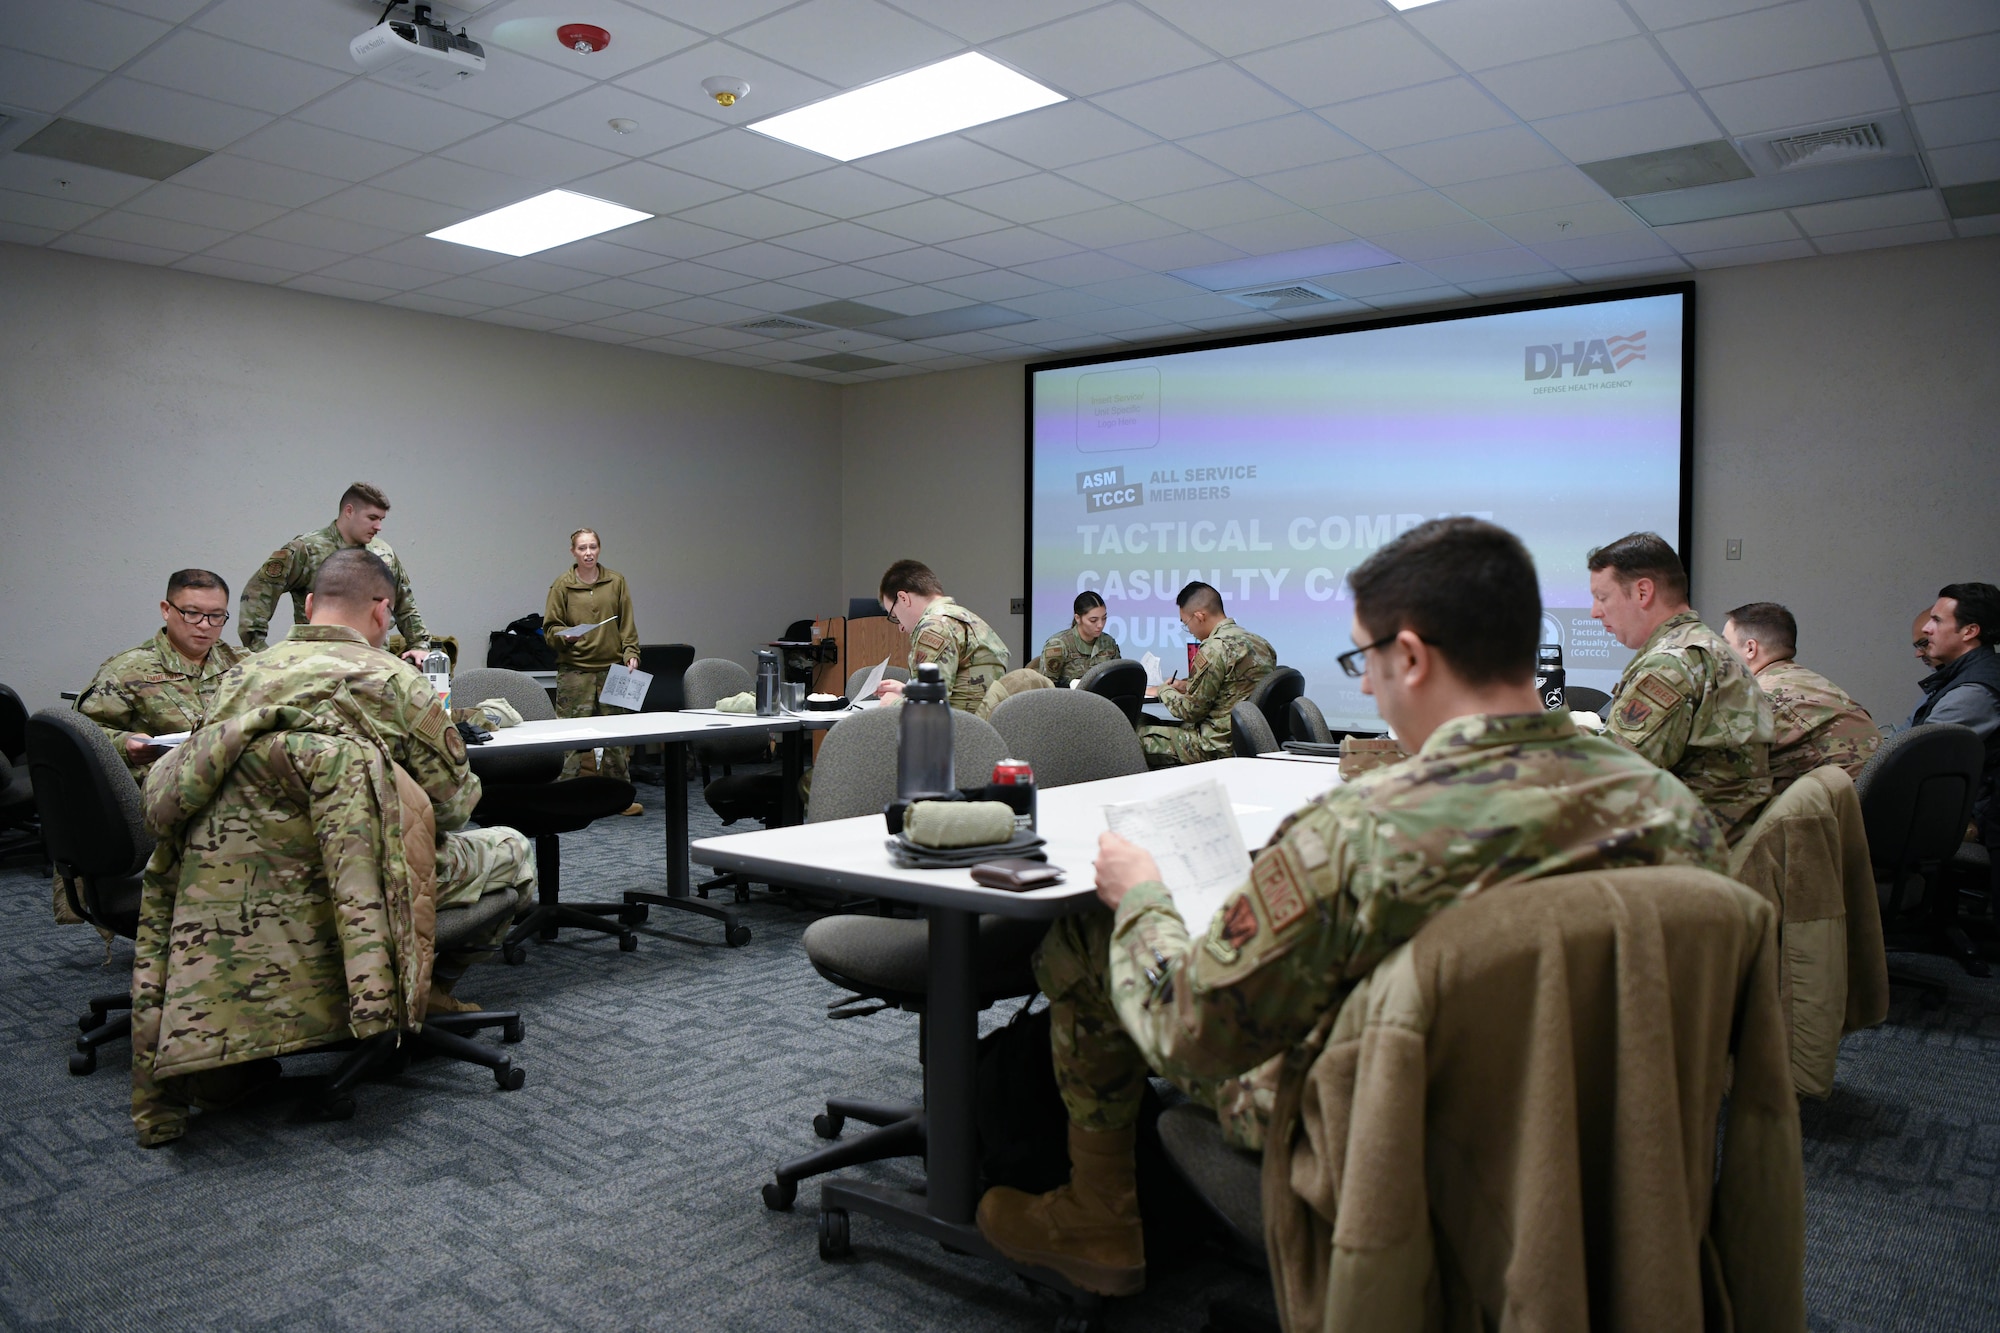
576 696
474 862
1168 745
1099 1069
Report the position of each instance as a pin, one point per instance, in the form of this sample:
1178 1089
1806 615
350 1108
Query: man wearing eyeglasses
166 684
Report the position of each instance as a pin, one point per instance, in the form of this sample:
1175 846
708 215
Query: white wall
152 419
1844 429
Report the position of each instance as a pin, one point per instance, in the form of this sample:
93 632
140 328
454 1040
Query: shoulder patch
1271 877
1655 687
1635 714
274 568
1239 922
454 745
1311 848
433 723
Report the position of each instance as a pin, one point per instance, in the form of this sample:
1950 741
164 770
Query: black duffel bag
520 647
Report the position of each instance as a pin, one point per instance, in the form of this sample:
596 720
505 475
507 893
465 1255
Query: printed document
1194 837
625 688
1152 665
874 678
578 631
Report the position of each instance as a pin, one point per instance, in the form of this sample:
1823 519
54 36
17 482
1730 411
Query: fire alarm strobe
584 37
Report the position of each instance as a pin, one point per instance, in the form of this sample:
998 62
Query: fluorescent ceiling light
951 95
551 219
1410 4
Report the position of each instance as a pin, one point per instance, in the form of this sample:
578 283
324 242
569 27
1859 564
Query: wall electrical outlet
1017 606
1734 549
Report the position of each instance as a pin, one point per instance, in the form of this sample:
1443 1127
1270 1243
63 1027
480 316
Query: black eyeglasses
215 618
1355 661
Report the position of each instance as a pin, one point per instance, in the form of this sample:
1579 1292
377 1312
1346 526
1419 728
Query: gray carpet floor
619 1187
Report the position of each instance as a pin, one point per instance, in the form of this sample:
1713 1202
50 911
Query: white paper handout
625 688
171 739
1193 835
578 631
1152 665
873 680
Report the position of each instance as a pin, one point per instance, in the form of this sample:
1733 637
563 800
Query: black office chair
97 837
1583 699
667 664
1068 736
1916 797
1308 723
1249 734
1273 697
522 792
1123 682
20 822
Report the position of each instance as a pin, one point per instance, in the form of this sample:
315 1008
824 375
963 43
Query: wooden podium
863 643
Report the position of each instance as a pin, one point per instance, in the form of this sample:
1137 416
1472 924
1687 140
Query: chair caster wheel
829 1125
88 1022
701 891
627 942
513 1032
510 1077
635 914
514 953
833 1234
737 936
780 1194
83 1062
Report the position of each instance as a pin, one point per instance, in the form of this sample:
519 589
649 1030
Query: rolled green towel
958 823
745 702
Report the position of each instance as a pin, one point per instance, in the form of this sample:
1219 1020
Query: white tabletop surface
851 854
809 720
1293 758
576 733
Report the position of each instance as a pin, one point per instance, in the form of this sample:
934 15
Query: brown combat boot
442 1001
1088 1230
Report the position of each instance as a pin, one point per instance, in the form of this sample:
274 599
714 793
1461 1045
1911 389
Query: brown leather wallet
1016 873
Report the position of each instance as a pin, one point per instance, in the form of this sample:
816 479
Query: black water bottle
1549 677
767 683
923 739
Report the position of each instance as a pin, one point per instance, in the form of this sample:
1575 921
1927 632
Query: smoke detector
726 89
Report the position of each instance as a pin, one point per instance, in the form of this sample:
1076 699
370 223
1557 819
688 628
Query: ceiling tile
162 113
675 239
37 83
1078 270
587 118
760 259
382 208
1882 210
536 272
689 278
601 256
373 271
105 248
1770 252
1623 71
1033 198
1612 248
1186 249
1951 69
1010 248
982 21
946 165
742 158
926 264
639 35
1060 135
321 285
438 258
1291 141
1235 29
1729 233
512 85
623 294
1146 172
1489 266
1141 288
168 200
1333 183
650 189
1804 97
1397 212
432 304
81 33
276 254
1568 221
194 62
37 210
374 110
167 11
845 282
319 33
481 291
934 220
1475 156
265 181
1660 15
516 319
709 310
1454 238
1524 192
69 181
1109 226
350 238
773 87
1770 41
1369 283
1106 48
1219 205
845 242
569 307
847 42
225 268
1202 305
443 181
1057 304
753 217
1918 22
773 296
1965 164
843 192
1641 127
1211 97
1420 114
303 147
1275 235
597 333
993 285
533 155
1961 120
1921 233
646 324
1354 62
1479 36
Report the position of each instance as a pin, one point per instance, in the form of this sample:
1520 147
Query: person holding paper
1446 619
593 598
1231 662
1066 656
969 654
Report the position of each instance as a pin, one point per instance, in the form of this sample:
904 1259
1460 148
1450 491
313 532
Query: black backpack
520 647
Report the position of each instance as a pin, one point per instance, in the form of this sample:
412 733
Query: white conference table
850 856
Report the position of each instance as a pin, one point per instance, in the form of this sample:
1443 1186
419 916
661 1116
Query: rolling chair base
902 1132
104 1023
734 933
442 1034
544 919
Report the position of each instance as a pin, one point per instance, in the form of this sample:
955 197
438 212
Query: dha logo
1584 356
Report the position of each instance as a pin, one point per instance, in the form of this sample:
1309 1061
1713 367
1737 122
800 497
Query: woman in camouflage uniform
586 594
1066 656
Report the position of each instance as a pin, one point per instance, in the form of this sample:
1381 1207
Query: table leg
791 769
675 798
953 1030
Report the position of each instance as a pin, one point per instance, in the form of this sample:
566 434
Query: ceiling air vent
778 326
1841 145
1284 297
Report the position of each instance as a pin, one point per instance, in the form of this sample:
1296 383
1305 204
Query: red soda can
1014 782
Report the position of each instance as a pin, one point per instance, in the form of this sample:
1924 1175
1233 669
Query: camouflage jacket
1688 703
289 901
969 655
149 691
1487 800
292 568
1065 657
1815 722
1231 662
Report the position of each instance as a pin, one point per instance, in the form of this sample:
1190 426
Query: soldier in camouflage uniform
1686 701
970 656
282 909
1815 722
1497 791
293 566
590 593
1068 655
1231 662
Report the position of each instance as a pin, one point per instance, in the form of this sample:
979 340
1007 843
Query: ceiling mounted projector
418 53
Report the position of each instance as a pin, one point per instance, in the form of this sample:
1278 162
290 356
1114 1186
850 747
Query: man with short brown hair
1815 722
293 566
